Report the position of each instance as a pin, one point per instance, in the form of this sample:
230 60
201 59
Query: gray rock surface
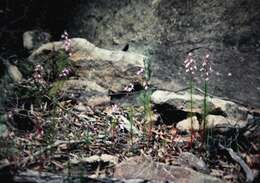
35 38
190 160
141 168
227 30
181 100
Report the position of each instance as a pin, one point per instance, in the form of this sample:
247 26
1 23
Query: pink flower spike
115 108
141 71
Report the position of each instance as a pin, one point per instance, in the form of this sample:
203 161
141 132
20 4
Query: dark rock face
229 30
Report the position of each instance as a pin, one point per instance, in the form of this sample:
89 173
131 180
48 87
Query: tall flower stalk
205 69
145 97
190 66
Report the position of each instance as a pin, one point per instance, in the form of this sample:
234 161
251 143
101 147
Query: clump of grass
145 98
88 137
131 120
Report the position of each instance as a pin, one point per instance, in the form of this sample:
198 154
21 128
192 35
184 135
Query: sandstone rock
97 70
141 168
14 73
3 127
35 38
109 69
216 120
181 100
88 92
185 125
84 50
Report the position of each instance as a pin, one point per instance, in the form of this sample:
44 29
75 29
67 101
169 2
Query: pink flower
129 88
190 64
67 43
65 73
206 67
145 85
141 71
115 108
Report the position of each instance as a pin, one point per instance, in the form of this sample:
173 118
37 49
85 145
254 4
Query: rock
34 39
185 125
98 70
181 101
228 30
3 127
84 50
142 168
217 121
95 158
14 73
190 160
47 177
88 92
12 70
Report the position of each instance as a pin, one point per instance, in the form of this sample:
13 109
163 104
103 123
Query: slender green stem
131 119
191 105
205 112
191 97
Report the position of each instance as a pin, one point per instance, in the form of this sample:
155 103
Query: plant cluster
205 68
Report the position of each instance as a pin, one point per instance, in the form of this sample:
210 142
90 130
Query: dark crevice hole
170 114
22 121
122 94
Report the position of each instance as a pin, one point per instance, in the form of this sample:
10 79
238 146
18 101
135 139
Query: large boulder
97 70
228 30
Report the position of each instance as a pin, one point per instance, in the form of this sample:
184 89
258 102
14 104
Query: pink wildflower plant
206 68
129 88
115 109
140 72
38 74
67 43
145 82
190 64
65 73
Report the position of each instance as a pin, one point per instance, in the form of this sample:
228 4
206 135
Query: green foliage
55 88
7 148
145 97
50 128
88 137
3 127
131 120
61 62
147 69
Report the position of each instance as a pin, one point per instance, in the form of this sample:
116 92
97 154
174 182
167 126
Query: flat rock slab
142 168
181 101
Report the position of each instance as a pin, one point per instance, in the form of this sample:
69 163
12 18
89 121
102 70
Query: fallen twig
249 174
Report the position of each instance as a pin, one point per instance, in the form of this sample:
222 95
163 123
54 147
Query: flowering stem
191 106
205 108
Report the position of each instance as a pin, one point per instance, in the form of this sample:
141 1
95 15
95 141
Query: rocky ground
114 103
84 114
